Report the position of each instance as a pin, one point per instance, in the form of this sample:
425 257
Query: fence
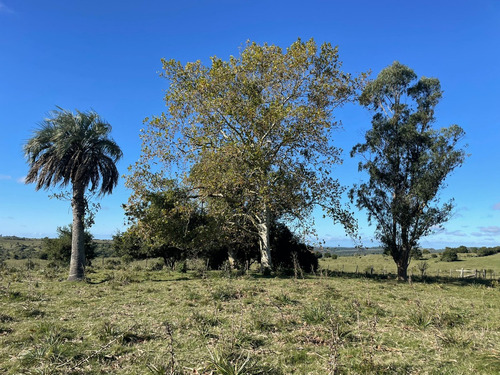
485 274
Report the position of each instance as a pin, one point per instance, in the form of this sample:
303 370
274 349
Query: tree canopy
406 159
251 137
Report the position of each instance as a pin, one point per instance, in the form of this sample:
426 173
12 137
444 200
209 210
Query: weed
316 313
420 316
225 293
228 364
284 299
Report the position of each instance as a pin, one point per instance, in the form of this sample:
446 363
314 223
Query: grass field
128 320
384 264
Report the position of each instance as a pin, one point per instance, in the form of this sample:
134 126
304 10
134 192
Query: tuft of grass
222 363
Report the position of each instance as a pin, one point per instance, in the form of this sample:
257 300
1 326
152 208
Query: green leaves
252 134
406 159
73 148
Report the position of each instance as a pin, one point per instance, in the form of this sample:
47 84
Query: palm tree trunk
77 262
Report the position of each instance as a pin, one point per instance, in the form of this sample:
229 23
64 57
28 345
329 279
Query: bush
449 255
416 253
156 265
182 267
111 264
485 251
284 243
59 249
127 259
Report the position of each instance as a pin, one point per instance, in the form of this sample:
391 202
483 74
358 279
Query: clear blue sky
105 55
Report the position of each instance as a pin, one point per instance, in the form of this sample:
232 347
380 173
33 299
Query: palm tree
74 148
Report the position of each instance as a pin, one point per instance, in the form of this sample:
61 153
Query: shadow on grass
413 279
323 274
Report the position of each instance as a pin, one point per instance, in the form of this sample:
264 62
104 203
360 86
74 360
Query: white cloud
490 230
5 177
458 233
21 180
487 232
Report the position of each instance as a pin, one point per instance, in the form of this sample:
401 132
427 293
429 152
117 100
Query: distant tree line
450 254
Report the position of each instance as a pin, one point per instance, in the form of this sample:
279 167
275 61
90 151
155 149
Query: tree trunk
401 260
77 262
402 271
263 228
231 258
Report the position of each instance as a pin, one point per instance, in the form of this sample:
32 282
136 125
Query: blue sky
105 55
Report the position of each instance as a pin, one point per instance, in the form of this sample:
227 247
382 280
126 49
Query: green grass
133 321
385 264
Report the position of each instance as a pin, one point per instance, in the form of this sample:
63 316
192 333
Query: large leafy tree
406 159
251 136
74 149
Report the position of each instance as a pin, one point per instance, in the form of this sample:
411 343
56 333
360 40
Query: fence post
356 269
450 274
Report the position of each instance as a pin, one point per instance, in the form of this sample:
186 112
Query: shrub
284 244
416 253
156 265
111 264
449 255
485 251
59 249
127 259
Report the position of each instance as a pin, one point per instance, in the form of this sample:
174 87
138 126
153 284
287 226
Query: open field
130 320
383 264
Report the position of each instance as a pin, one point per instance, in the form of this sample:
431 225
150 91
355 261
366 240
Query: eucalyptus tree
251 136
406 159
74 149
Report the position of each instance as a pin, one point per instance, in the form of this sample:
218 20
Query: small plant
228 364
316 313
225 293
284 299
422 267
420 316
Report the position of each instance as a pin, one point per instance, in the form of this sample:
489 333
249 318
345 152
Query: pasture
133 319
